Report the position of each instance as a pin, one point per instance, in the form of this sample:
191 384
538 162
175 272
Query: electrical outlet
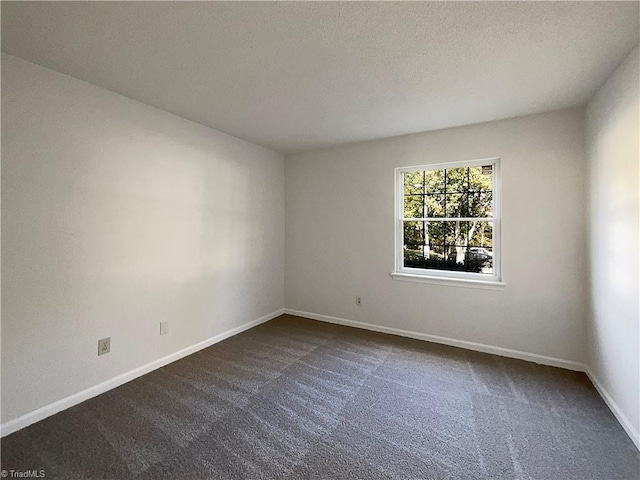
164 328
104 346
358 300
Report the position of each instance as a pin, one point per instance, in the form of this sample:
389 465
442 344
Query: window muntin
448 220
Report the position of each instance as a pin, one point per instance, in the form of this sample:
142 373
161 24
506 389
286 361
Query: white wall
340 236
117 216
614 327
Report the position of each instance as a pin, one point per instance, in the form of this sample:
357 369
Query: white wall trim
613 406
478 347
53 408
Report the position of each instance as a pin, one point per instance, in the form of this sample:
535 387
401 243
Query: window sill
449 282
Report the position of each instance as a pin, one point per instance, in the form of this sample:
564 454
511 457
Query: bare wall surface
117 216
614 327
340 236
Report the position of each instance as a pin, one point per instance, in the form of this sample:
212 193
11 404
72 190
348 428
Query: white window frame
446 277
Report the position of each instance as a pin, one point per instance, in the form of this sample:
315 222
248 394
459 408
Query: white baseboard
613 406
478 347
53 408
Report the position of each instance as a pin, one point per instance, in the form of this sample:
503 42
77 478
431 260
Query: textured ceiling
296 76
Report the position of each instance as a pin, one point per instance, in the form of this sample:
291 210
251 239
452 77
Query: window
448 222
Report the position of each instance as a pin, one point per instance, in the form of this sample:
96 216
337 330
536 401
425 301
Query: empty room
320 240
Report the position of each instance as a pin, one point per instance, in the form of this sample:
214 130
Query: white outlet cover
164 328
104 345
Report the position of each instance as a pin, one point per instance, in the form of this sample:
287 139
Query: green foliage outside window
447 217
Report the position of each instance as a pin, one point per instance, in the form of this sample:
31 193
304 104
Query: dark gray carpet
299 399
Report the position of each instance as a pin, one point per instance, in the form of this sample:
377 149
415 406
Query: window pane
462 246
481 234
434 233
434 205
434 252
413 182
434 257
434 181
413 233
468 193
481 205
450 231
413 206
469 259
414 256
487 266
456 233
456 205
481 179
479 260
457 180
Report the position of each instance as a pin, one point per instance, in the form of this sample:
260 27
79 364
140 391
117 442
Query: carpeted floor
299 399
